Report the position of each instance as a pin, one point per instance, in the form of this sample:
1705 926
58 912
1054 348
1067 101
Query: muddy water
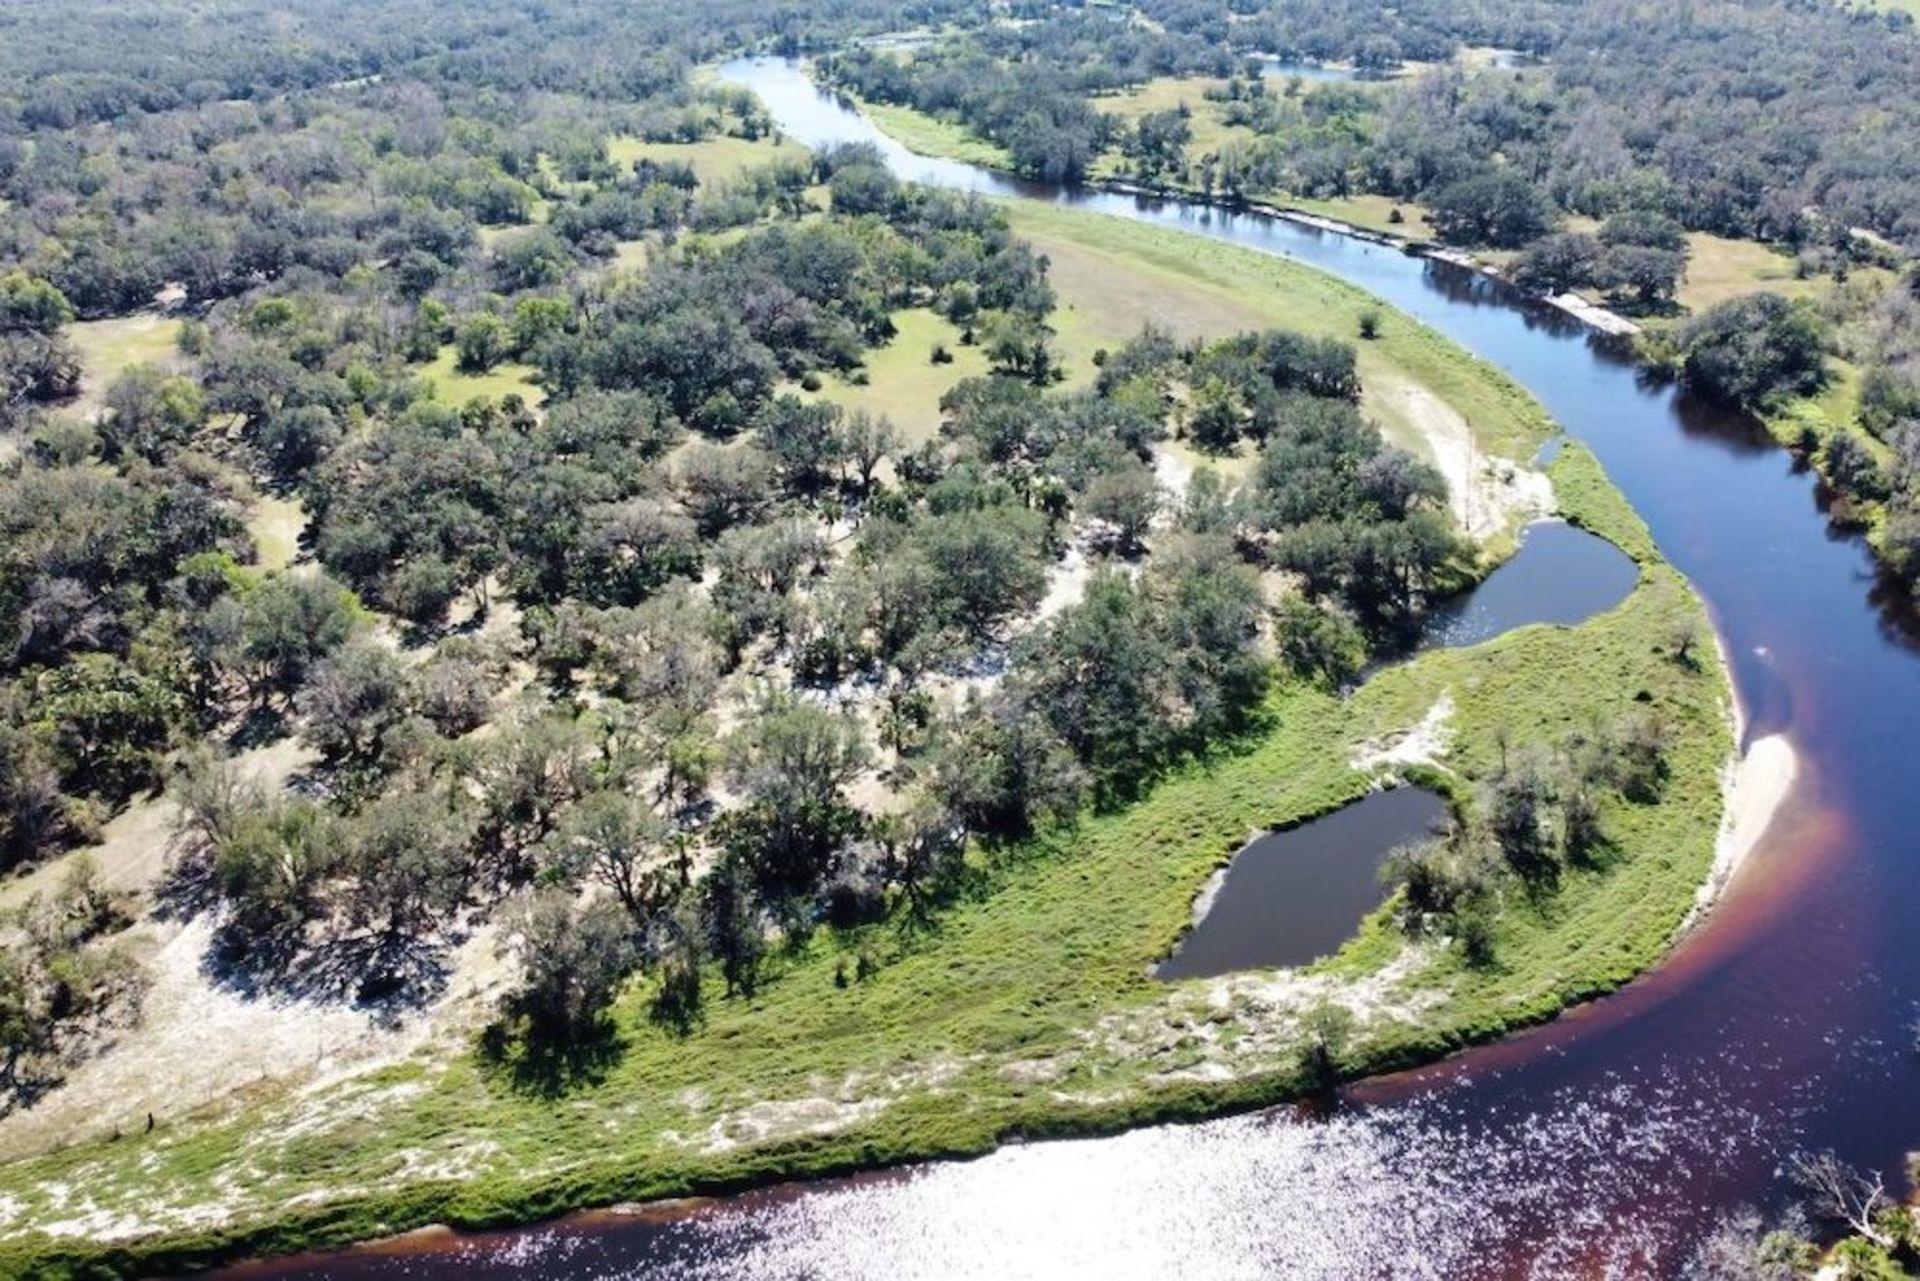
1603 1144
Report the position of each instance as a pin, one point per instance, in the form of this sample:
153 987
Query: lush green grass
1206 119
932 136
1114 274
275 524
455 387
903 383
1374 213
717 159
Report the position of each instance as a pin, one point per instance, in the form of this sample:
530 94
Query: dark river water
1603 1144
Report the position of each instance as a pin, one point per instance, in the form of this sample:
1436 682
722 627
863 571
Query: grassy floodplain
1025 1008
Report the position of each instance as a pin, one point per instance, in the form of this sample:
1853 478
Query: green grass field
109 347
454 387
903 383
717 159
932 136
1166 93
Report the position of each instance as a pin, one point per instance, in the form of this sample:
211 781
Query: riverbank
938 139
1027 1011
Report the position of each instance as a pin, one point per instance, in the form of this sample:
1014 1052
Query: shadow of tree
388 974
550 1067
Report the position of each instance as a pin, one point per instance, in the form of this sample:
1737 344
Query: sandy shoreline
1755 784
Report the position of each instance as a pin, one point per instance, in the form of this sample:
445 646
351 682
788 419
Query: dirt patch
132 852
200 1042
1422 744
1489 495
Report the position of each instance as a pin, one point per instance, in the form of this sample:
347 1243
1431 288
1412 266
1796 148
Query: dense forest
1587 170
671 627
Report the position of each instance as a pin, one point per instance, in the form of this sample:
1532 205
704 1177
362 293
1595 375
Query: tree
723 487
350 699
1497 208
1753 350
1557 263
804 442
150 413
791 762
1325 1030
1018 344
482 340
1844 1195
1002 770
573 958
31 305
1518 805
733 924
1317 643
1125 501
1649 274
868 442
291 621
618 841
408 868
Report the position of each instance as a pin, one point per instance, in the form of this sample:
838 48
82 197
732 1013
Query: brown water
1603 1144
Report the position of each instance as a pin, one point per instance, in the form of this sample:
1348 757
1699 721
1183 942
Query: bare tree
1839 1192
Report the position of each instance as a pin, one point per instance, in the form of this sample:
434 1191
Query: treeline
1727 116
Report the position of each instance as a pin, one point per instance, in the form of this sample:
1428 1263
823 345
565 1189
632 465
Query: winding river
1603 1144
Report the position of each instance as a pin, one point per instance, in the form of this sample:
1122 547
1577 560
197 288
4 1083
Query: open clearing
109 347
903 383
453 386
715 160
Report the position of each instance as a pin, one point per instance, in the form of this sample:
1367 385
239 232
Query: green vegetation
901 381
1052 942
1116 274
454 386
715 160
932 136
764 690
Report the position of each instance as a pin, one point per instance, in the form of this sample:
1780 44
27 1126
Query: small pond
1294 896
1561 575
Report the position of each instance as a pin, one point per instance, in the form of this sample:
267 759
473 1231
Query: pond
1293 896
1561 575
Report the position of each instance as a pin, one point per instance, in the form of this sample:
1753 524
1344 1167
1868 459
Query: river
1603 1144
